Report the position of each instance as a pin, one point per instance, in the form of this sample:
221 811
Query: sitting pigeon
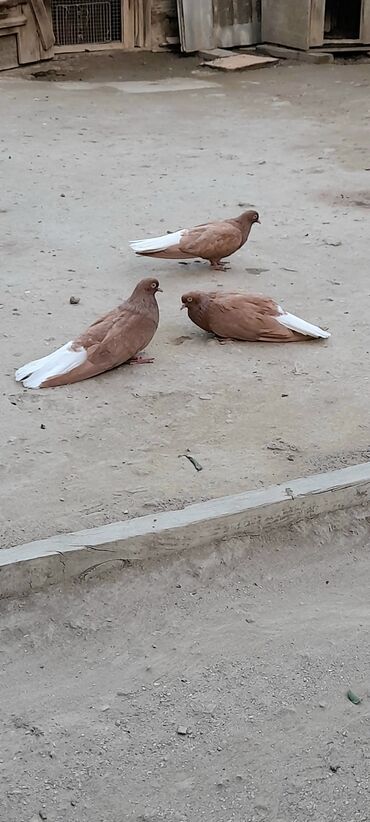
248 317
114 339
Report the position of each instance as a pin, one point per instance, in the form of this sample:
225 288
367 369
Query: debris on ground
240 62
74 300
197 465
356 700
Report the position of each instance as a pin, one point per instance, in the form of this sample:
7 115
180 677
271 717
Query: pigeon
249 317
211 241
114 339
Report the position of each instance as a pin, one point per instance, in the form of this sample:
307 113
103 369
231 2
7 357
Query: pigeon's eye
190 299
154 285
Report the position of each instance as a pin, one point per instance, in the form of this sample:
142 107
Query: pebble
74 300
182 730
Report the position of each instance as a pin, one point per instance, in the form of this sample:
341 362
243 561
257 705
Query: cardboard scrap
241 62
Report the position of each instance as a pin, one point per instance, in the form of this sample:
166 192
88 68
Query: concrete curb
32 566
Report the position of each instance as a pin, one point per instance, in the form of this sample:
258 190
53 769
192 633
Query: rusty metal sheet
209 24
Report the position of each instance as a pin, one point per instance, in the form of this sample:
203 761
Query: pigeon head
150 284
253 216
191 299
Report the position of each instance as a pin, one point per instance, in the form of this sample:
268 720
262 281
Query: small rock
182 730
42 815
334 768
105 708
322 704
205 397
43 426
74 300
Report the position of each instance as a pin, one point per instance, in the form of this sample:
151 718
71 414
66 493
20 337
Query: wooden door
365 22
209 24
287 23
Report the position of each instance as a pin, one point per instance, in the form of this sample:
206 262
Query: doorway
342 19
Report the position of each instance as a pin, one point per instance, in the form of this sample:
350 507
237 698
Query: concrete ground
101 157
211 689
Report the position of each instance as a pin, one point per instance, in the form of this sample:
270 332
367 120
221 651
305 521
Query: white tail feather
61 361
301 326
157 243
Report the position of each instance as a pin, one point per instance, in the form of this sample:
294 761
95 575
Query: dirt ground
211 689
101 157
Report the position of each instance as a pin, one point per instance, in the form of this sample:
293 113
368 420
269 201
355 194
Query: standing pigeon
114 339
248 317
211 241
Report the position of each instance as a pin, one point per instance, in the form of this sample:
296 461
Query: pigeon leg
218 265
139 360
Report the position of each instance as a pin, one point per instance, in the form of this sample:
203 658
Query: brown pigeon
248 317
114 339
211 241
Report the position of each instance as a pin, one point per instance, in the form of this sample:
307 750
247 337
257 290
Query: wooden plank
9 4
317 22
241 62
129 24
81 47
29 45
142 23
13 22
286 23
282 52
44 24
147 38
365 22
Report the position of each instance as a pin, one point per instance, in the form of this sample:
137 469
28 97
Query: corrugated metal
207 24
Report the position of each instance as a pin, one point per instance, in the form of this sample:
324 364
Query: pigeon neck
198 313
245 224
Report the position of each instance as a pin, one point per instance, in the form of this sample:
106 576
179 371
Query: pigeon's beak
183 306
258 221
160 289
